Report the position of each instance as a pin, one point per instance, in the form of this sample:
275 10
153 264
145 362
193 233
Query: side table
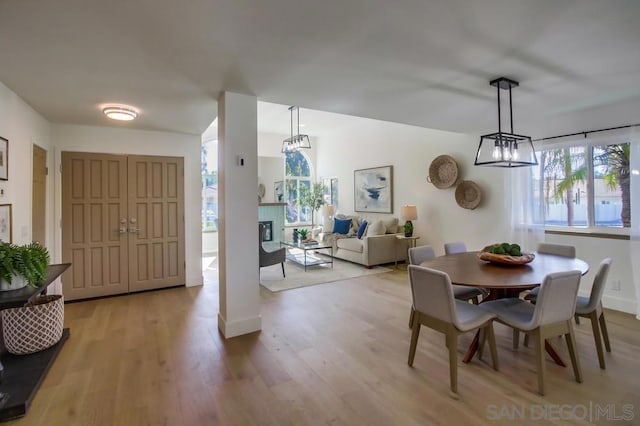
402 238
23 374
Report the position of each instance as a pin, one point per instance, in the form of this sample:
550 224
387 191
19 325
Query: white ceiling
425 63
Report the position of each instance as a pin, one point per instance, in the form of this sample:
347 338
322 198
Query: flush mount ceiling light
297 141
120 113
503 149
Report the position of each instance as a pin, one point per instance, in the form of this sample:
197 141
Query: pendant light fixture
297 141
503 149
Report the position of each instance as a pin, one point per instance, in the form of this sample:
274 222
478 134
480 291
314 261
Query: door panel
94 201
156 231
39 195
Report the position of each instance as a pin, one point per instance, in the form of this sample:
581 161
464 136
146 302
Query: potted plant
408 229
303 234
312 197
22 264
38 325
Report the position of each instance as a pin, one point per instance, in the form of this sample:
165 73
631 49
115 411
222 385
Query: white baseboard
620 304
239 327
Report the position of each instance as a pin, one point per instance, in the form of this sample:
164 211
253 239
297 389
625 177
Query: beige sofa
377 246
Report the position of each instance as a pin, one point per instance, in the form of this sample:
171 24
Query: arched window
297 176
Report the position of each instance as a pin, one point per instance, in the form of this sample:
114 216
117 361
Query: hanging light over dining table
296 141
502 149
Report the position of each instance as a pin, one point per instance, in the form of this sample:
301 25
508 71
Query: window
209 173
584 185
330 192
297 176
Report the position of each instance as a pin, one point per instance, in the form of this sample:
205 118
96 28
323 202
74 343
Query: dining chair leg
481 340
526 340
573 353
414 340
412 317
577 319
452 341
605 333
539 340
282 264
516 339
492 346
593 316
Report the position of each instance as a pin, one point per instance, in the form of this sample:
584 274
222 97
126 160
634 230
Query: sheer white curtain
634 251
525 210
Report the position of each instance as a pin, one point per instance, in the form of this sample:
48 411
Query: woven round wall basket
33 328
443 172
468 194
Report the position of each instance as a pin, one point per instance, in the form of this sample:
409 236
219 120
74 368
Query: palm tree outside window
585 185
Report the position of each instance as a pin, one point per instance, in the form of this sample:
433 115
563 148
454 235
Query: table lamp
409 212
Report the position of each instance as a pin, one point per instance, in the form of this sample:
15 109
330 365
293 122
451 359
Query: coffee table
306 253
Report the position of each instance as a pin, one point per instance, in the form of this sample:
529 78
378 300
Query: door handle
133 230
122 230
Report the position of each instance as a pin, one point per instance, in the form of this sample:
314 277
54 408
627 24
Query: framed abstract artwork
4 159
5 223
373 190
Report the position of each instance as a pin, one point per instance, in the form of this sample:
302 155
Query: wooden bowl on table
506 259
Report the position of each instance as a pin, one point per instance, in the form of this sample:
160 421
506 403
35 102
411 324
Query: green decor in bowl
505 254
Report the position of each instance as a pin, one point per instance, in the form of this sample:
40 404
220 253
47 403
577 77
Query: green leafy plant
312 197
408 228
7 264
30 261
303 233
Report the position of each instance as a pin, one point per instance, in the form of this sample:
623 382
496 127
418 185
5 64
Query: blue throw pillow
361 229
341 226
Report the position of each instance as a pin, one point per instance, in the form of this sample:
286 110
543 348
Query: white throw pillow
376 228
391 225
327 227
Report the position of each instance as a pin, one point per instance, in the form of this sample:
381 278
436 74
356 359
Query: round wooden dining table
503 280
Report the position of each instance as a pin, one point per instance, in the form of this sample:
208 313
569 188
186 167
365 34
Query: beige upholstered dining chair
268 258
436 308
591 307
453 248
556 250
549 317
417 255
563 250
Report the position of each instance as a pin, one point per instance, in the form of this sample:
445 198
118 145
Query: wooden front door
156 222
122 223
39 196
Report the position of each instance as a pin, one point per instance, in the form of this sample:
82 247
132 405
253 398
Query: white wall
66 137
24 127
270 170
371 143
410 150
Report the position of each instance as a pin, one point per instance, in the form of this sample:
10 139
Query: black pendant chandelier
503 149
297 141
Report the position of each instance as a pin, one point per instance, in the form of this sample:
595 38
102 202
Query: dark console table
23 374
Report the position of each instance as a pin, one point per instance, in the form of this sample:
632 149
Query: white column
238 215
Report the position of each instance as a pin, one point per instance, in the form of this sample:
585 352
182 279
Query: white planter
33 328
17 282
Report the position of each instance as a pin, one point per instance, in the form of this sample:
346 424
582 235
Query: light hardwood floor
327 354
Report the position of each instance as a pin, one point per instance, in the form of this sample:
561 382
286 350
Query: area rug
271 276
